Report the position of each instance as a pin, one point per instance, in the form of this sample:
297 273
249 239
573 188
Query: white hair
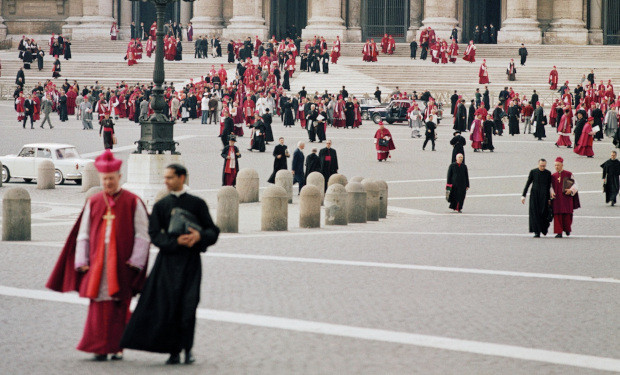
300 143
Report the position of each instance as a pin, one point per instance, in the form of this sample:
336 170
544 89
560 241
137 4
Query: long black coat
513 120
539 199
329 163
278 163
611 173
229 127
313 164
458 142
461 118
458 179
165 317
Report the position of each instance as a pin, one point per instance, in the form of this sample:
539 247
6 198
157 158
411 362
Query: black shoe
117 357
41 126
174 359
51 127
189 357
569 146
100 357
556 145
559 235
537 235
567 234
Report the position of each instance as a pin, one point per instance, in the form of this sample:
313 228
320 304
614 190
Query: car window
67 153
44 153
27 152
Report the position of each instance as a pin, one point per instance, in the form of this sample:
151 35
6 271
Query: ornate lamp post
156 134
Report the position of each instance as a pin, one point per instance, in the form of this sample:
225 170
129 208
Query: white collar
179 193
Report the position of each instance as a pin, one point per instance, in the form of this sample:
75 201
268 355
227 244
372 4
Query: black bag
544 120
181 220
384 142
550 213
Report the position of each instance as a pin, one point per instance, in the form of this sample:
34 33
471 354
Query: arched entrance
611 21
288 18
144 11
480 13
381 17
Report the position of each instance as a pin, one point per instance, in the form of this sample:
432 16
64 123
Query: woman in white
415 121
611 122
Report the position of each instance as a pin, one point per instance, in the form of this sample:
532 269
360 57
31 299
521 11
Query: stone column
354 16
440 15
415 18
3 31
247 21
126 18
97 20
75 16
186 13
208 18
595 34
567 26
326 20
521 24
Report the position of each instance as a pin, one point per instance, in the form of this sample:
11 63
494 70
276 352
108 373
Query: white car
67 162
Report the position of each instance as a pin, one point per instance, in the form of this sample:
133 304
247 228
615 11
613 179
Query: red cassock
106 319
339 115
584 145
564 129
149 48
366 52
19 107
391 46
553 80
248 111
384 44
154 30
383 152
563 205
454 52
71 96
131 59
470 53
483 75
36 114
358 116
476 136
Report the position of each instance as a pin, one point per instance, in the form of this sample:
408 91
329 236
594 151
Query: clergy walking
165 318
483 73
611 178
457 184
297 166
280 153
231 157
584 146
383 142
329 161
564 198
540 180
105 259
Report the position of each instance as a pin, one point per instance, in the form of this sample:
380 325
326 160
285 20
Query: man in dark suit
329 161
229 127
21 78
298 166
313 163
29 111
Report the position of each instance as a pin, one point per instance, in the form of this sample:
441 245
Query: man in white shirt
204 107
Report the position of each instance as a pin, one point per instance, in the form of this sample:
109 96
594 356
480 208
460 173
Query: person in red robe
105 259
150 46
249 107
483 73
373 51
384 44
19 106
435 51
335 53
584 145
431 36
71 97
553 79
357 122
564 198
51 44
470 52
453 51
444 52
190 32
383 143
222 74
476 137
366 51
153 30
37 108
131 55
139 49
564 130
339 114
391 45
113 31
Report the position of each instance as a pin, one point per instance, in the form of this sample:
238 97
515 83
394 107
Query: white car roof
48 145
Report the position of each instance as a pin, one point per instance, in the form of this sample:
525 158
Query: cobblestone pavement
424 291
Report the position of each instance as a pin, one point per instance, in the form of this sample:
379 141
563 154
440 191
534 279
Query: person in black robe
231 52
488 126
454 100
62 107
289 117
56 69
267 120
193 106
27 58
540 179
20 78
460 123
485 35
230 179
349 112
458 183
319 126
311 123
315 65
523 54
429 134
598 116
611 178
40 55
303 65
413 48
498 115
286 85
541 121
313 163
67 49
458 143
579 124
179 55
165 318
258 134
513 119
486 99
329 161
325 61
280 153
229 127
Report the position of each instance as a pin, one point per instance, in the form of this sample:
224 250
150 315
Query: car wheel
376 118
6 175
27 180
58 177
78 181
365 115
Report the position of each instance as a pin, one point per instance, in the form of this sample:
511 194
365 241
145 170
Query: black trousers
426 141
26 118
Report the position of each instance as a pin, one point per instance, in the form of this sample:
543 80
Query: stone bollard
274 209
310 207
45 175
92 191
336 205
16 212
337 179
356 202
372 199
317 179
247 185
90 177
357 179
383 198
284 179
228 210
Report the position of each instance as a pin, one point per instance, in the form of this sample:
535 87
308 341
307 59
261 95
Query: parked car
396 111
366 104
67 162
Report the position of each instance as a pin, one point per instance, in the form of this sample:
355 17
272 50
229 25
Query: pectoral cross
109 216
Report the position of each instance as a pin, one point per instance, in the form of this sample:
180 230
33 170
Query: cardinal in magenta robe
105 259
476 137
383 142
584 145
483 73
470 52
553 79
564 198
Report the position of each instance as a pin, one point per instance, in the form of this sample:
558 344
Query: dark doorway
144 11
381 17
611 21
286 14
480 13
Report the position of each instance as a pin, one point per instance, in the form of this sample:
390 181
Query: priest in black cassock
458 143
313 163
280 153
164 319
540 179
457 183
611 176
329 161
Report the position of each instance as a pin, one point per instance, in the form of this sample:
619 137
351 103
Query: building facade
528 21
